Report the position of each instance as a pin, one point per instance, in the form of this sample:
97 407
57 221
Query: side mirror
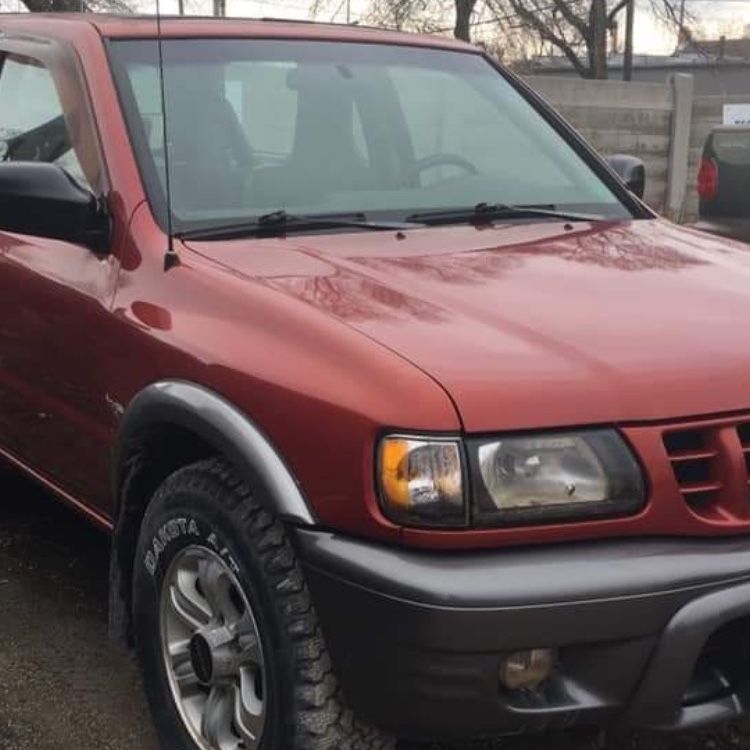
631 170
42 200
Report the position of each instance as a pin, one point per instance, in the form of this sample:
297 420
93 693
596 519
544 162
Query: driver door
55 296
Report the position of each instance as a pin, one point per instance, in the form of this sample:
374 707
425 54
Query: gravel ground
64 687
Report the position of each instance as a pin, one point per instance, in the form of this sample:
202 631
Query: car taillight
708 180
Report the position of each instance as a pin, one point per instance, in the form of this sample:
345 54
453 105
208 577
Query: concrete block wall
619 118
662 123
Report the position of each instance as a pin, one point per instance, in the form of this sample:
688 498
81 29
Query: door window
32 123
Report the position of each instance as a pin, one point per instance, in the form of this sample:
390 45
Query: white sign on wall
737 114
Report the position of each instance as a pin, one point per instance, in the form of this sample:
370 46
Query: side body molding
220 424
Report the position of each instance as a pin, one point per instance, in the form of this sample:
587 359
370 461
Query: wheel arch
170 424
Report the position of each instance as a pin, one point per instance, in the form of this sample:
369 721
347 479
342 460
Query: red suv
406 416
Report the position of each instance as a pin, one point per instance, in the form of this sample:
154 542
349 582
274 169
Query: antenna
171 259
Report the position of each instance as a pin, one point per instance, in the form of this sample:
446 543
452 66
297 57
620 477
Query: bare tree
464 11
580 29
575 27
415 15
426 15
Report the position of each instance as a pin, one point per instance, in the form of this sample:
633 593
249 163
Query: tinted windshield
318 128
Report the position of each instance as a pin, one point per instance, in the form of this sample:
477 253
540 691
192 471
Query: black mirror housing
43 200
631 170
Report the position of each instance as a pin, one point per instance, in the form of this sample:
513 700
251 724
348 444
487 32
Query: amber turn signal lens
394 460
421 481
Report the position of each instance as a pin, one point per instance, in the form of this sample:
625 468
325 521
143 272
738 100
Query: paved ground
63 687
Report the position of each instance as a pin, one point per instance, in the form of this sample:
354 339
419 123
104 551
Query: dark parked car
724 183
406 416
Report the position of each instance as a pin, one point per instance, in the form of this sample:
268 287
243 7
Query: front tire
229 643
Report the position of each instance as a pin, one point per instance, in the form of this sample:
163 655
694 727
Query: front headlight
555 477
421 481
512 481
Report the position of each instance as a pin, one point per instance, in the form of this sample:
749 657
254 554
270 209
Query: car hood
535 324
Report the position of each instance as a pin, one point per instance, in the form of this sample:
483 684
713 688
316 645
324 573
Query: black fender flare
222 425
219 424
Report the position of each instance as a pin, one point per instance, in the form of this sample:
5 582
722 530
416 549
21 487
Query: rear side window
733 148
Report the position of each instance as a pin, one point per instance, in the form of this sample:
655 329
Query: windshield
320 128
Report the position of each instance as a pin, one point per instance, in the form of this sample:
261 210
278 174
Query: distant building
719 66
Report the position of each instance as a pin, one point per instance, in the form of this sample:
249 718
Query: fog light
526 670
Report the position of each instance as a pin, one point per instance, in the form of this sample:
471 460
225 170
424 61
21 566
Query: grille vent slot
693 461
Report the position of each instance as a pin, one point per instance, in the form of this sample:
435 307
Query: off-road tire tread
323 721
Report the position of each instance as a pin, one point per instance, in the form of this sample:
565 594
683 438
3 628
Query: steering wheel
439 160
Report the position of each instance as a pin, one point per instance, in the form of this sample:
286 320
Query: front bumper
649 633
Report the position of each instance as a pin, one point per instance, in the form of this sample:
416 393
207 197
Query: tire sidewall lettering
178 532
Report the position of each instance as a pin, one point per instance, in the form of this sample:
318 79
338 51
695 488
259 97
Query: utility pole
627 63
348 12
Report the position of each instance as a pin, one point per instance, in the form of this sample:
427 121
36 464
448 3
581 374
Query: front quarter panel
320 392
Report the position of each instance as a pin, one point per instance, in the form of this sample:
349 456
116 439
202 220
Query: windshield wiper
281 222
489 211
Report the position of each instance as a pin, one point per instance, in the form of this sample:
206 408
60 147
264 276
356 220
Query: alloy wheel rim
212 652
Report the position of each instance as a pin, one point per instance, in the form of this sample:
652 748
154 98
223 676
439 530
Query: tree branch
548 34
567 13
616 10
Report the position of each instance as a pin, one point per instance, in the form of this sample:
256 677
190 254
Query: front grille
711 464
